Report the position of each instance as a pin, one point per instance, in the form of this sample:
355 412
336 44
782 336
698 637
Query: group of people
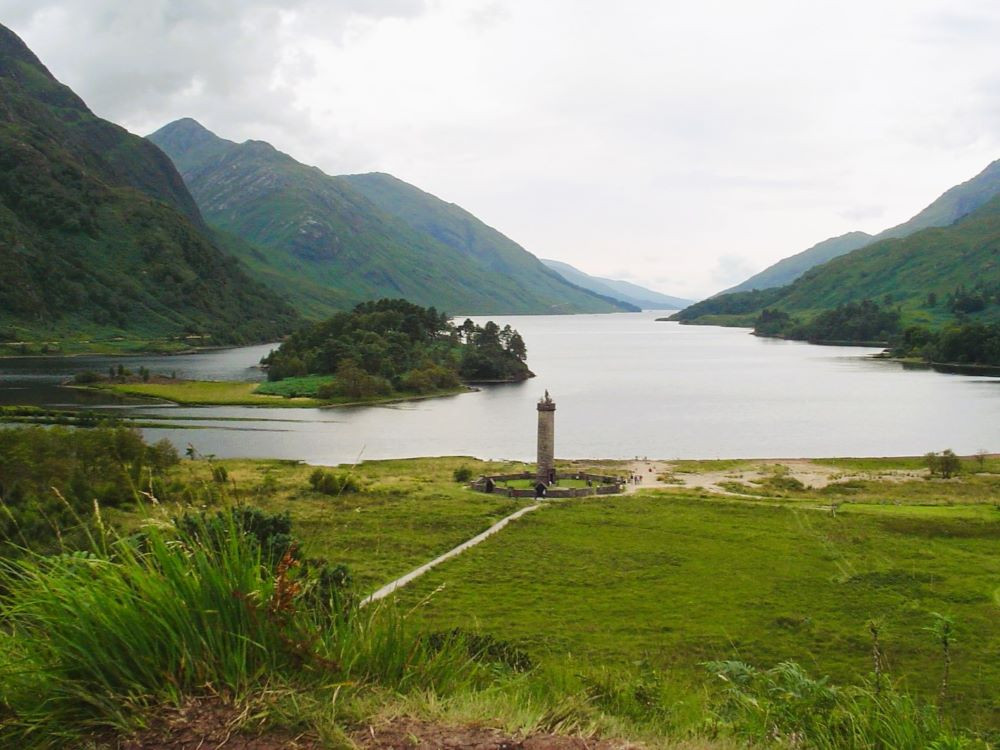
636 477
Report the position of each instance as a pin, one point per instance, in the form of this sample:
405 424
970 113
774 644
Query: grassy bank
68 343
226 393
207 393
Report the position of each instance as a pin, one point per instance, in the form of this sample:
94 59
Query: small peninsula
382 351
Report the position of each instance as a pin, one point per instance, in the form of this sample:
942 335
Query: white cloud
676 142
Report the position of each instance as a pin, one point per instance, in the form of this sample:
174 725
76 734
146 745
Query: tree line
960 343
853 321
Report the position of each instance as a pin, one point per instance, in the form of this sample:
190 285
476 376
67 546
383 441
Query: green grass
674 582
950 511
526 484
290 387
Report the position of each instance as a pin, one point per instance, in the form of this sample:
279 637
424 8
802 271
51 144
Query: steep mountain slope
788 269
935 261
362 236
929 277
634 294
948 208
952 205
453 226
98 234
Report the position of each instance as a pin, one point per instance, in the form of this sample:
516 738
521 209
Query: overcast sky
680 145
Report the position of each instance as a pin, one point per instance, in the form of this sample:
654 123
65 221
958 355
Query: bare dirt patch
810 473
411 734
210 723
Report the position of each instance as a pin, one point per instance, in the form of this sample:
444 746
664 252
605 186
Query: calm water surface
624 385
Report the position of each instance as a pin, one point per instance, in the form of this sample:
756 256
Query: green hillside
936 261
948 208
99 238
453 226
645 299
360 237
786 270
933 277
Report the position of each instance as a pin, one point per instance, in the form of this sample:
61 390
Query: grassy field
654 584
673 581
406 513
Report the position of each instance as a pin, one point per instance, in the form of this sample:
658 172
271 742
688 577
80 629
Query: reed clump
786 707
91 639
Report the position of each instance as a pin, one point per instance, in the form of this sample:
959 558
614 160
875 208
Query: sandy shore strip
810 472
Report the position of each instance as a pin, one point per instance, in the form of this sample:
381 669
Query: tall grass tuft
786 706
89 639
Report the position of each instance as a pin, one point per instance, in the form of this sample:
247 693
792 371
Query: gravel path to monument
417 572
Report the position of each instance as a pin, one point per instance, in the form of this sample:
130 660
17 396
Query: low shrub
462 474
945 464
270 534
333 483
51 478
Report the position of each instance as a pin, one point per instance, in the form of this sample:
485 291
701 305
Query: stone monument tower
546 439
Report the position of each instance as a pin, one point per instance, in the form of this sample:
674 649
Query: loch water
625 385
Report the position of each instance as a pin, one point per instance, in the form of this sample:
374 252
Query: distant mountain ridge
332 241
788 269
948 208
99 235
646 299
955 203
931 277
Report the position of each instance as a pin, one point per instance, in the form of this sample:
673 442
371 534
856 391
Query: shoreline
244 393
705 464
117 352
